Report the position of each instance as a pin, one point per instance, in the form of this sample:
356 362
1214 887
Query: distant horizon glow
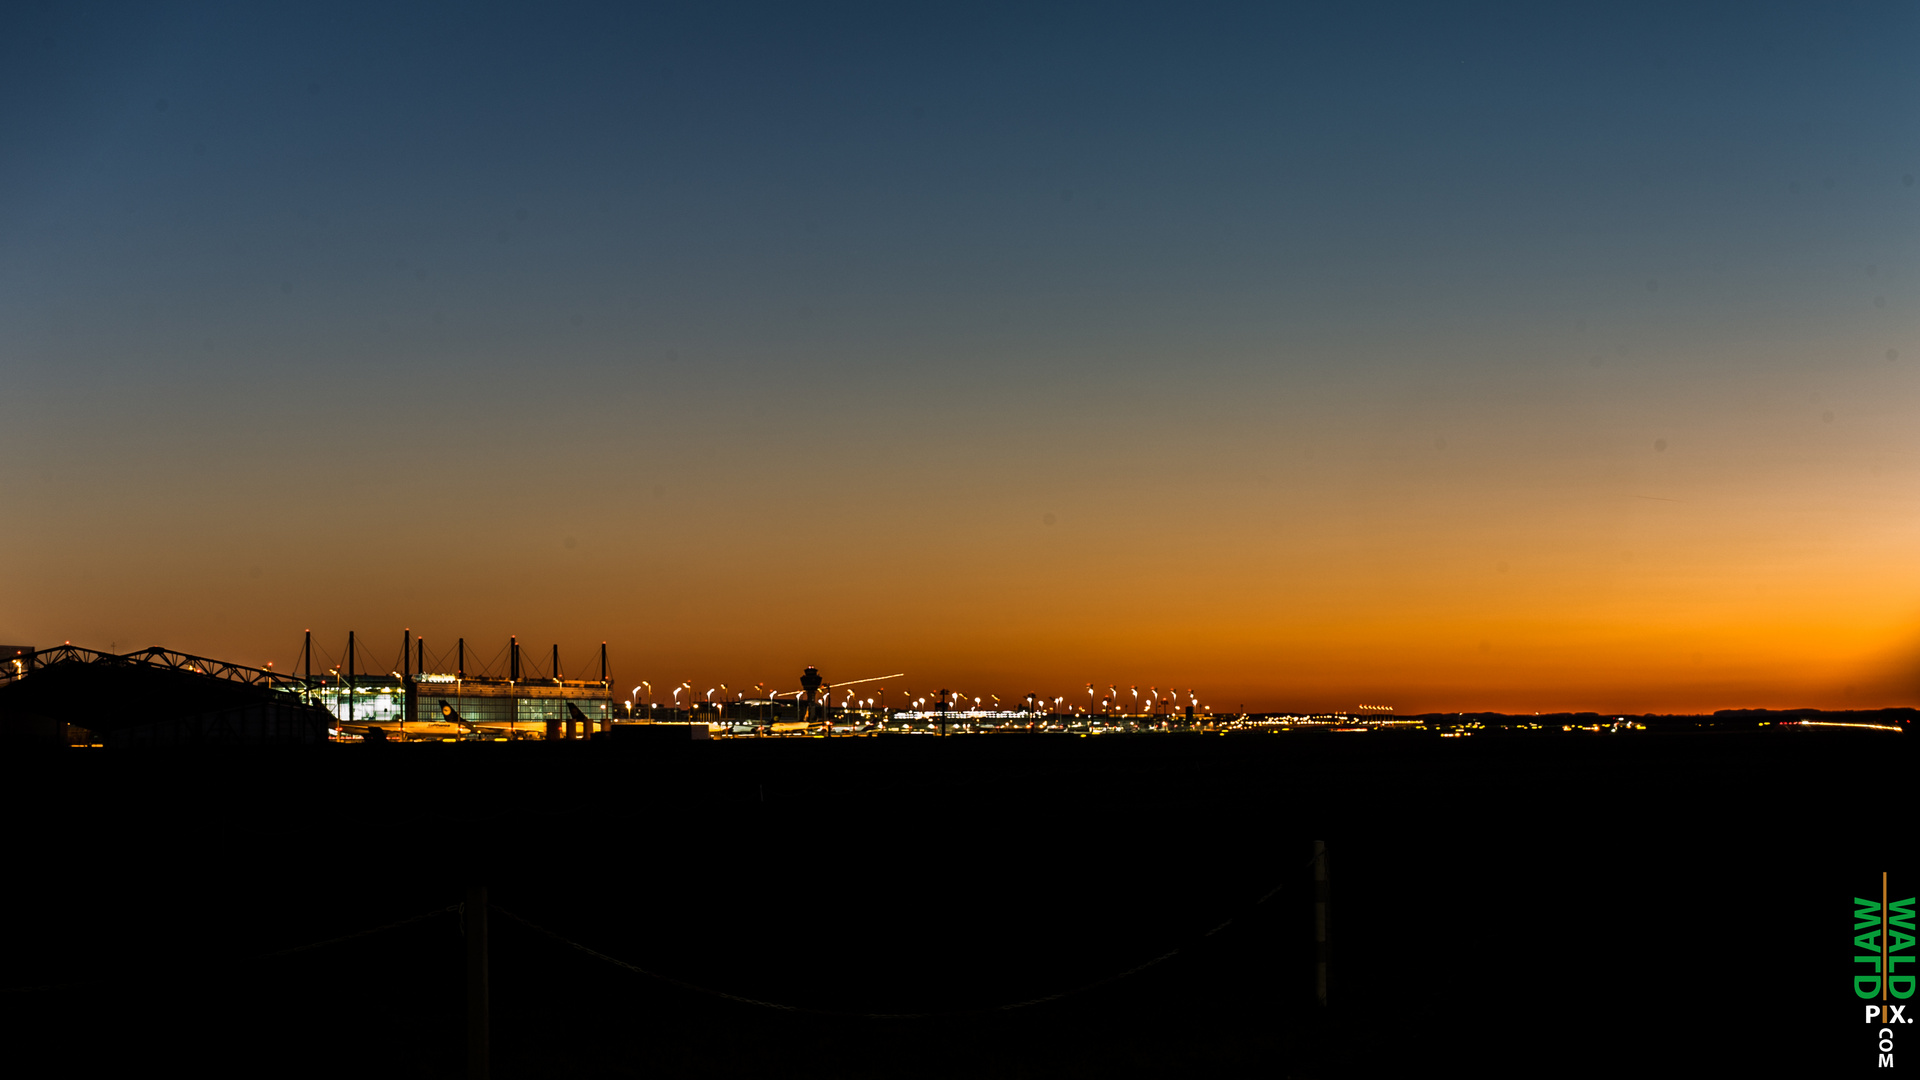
1469 360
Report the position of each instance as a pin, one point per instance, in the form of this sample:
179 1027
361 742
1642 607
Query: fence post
1320 939
478 1051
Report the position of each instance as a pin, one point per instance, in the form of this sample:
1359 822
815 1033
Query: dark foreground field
1507 905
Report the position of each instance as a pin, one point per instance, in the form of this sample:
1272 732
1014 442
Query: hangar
152 697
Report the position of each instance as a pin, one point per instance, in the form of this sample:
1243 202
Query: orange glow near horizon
1454 362
1559 598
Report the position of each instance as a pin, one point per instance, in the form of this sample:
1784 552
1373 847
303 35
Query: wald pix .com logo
1882 932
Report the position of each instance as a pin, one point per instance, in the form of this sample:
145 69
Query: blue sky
285 291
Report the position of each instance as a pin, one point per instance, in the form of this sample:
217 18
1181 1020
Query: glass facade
381 701
370 702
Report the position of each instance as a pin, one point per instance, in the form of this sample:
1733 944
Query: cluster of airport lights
1106 706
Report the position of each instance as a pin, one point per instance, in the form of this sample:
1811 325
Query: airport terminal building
449 705
415 703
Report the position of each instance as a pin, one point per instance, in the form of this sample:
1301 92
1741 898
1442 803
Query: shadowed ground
1512 905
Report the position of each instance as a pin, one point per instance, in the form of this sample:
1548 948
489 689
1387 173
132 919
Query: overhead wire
692 987
256 958
486 670
1010 1006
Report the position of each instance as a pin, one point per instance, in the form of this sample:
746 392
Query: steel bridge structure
156 657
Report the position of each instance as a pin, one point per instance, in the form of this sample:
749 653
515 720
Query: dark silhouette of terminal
152 697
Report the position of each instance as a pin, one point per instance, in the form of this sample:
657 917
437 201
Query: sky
1481 356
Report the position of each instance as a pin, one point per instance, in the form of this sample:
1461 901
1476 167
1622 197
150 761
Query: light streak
849 682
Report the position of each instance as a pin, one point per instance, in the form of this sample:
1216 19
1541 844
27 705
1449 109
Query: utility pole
307 652
1321 942
479 1064
406 680
349 676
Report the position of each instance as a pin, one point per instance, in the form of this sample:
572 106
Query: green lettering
1867 986
1899 913
1867 913
1868 941
1898 941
